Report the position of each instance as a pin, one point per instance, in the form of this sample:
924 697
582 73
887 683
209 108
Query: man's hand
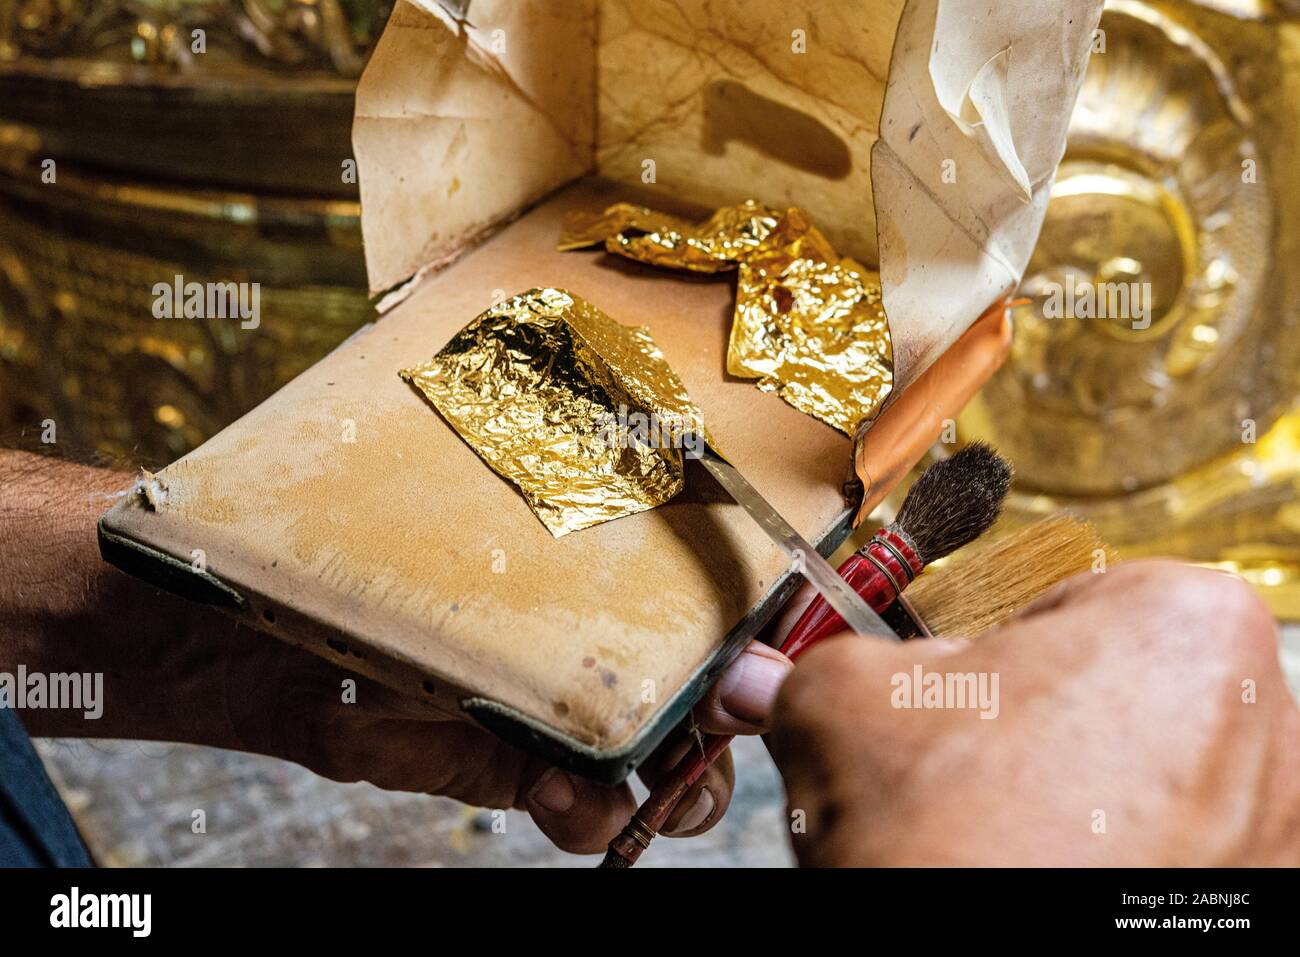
178 671
1141 720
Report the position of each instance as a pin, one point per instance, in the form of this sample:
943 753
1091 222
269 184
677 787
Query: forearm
64 611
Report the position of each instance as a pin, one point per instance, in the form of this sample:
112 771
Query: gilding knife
805 559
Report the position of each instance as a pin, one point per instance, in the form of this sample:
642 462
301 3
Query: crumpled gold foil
580 412
808 324
715 245
811 327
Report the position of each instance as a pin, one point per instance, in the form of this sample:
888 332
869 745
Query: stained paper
921 136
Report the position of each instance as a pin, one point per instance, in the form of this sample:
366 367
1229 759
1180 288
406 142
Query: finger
741 700
833 726
779 627
841 692
707 801
579 816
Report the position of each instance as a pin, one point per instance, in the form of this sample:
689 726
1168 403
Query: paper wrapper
582 413
922 136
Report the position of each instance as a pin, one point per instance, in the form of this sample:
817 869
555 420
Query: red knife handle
879 571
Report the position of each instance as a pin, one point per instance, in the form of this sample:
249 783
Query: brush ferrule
639 831
898 554
885 570
893 555
901 547
889 565
879 571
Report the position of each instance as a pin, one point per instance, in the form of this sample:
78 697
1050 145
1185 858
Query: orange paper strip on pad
886 449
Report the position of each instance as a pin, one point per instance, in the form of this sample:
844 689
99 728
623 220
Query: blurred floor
136 805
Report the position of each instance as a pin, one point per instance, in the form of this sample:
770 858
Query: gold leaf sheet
637 232
540 385
811 327
808 324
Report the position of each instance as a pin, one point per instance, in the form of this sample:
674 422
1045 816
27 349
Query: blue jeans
36 829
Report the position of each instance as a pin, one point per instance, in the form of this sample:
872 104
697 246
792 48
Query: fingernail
748 688
948 646
700 812
553 791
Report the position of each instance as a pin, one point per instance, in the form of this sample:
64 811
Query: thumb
741 700
579 816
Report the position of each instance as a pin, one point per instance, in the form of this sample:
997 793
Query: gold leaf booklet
899 156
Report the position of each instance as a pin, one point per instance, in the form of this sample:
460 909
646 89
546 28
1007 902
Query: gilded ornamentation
322 34
1173 425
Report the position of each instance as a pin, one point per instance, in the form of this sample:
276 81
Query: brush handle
879 571
878 581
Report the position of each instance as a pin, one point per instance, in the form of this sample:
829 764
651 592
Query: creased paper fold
921 135
980 111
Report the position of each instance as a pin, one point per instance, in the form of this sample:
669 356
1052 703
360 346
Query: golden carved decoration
1177 432
323 34
79 341
125 160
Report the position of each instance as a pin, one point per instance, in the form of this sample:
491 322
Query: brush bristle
614 861
955 501
987 584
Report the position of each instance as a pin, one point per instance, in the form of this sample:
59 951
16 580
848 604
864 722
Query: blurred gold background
227 165
1183 438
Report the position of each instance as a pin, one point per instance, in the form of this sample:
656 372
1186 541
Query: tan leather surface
403 556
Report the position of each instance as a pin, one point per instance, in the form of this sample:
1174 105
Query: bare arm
64 610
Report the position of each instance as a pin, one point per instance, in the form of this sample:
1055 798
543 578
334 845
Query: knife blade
838 593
